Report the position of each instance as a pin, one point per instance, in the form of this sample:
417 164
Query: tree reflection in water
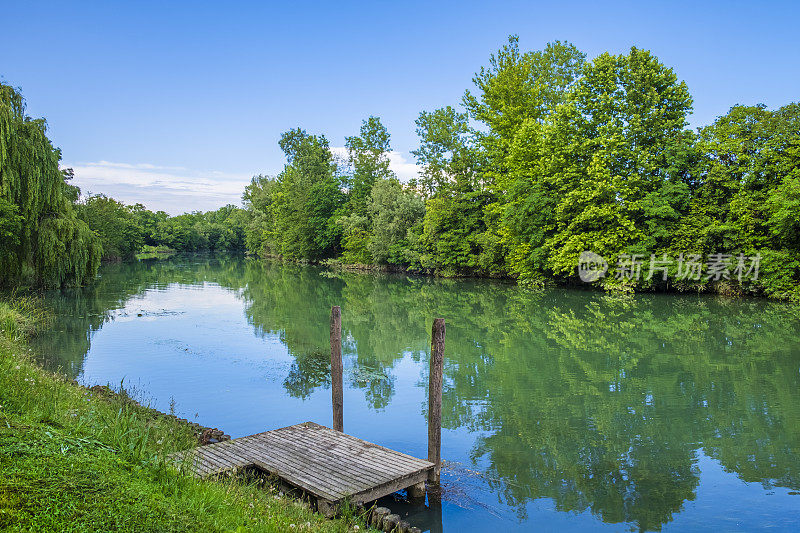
592 401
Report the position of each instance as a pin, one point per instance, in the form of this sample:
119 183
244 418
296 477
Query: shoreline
93 458
722 288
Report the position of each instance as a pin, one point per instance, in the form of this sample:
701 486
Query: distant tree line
547 156
125 229
50 236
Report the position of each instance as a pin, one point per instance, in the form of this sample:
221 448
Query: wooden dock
329 465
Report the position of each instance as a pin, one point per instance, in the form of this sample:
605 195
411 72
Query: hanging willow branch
41 240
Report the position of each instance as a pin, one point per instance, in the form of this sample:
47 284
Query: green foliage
149 223
745 193
551 155
447 153
223 229
368 156
20 317
10 226
394 212
610 178
371 231
355 239
451 235
454 227
125 230
116 225
783 207
258 199
41 239
308 195
155 252
517 87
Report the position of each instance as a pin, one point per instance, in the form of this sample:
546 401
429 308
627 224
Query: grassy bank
74 460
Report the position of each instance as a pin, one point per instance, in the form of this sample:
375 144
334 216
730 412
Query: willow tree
41 240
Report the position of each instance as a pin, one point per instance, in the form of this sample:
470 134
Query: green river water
563 410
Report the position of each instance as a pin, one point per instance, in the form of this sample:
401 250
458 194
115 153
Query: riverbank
723 287
72 458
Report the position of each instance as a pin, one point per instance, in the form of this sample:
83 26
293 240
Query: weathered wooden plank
391 487
338 442
327 507
224 452
390 454
345 453
389 472
307 466
375 460
417 492
213 464
364 493
339 480
327 464
300 466
216 455
332 462
288 476
201 466
385 452
206 461
366 471
285 465
231 455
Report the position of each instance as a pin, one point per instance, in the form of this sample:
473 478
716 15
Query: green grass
20 317
73 460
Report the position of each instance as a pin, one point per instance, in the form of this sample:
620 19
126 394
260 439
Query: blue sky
176 104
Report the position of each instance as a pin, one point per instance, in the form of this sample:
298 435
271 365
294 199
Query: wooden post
435 399
417 492
336 368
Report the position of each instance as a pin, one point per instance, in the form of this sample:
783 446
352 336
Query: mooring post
336 368
435 399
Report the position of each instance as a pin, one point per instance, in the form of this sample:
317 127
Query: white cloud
178 190
172 189
399 163
404 168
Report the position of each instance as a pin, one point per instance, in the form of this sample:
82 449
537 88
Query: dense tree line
125 229
551 155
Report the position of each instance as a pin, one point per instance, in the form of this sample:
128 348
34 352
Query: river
562 410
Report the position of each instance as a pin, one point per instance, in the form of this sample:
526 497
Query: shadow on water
427 517
596 403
